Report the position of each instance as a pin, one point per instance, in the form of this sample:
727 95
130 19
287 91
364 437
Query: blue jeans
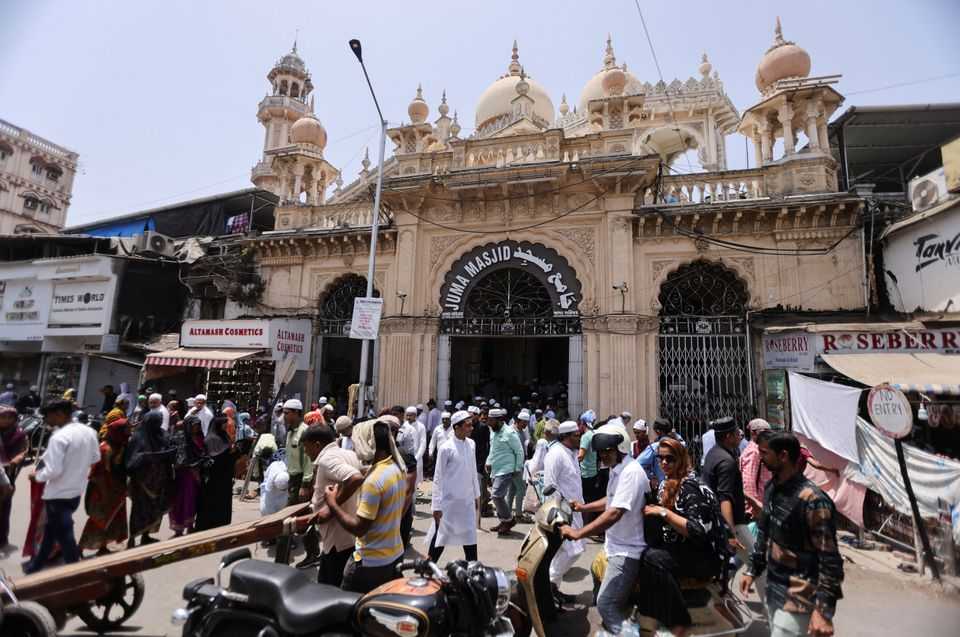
614 594
504 488
58 530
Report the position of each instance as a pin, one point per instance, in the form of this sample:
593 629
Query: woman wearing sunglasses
691 543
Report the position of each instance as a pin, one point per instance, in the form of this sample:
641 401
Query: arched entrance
339 355
510 326
702 347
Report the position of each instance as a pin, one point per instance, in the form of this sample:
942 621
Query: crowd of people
662 514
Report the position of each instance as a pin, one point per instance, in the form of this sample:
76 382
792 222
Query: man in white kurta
420 447
440 435
456 491
562 471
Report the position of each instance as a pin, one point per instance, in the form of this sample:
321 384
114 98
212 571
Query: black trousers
332 565
469 551
363 579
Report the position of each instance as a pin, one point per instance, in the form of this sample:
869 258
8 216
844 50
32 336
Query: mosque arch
335 304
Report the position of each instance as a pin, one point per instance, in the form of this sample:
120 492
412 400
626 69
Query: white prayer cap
322 400
420 407
515 398
202 397
459 417
155 397
625 416
448 403
473 409
497 405
343 423
552 426
190 402
328 408
758 424
282 481
640 425
534 395
477 399
410 410
292 403
497 413
459 404
524 415
445 414
568 427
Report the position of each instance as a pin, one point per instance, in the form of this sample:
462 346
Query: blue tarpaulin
125 228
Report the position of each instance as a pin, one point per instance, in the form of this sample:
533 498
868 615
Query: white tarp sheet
825 412
931 476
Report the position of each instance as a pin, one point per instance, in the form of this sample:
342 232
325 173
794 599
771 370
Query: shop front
246 361
55 328
921 361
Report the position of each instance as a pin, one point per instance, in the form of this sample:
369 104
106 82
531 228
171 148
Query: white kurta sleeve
433 441
421 440
438 480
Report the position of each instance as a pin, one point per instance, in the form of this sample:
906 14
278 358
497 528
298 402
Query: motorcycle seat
300 605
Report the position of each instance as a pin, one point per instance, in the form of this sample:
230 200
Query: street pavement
878 600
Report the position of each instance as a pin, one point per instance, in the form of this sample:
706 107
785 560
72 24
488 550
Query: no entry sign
890 411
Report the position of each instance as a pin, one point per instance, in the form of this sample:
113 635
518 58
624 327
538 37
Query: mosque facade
562 249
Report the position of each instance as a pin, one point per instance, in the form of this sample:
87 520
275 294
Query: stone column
766 141
785 115
757 147
812 133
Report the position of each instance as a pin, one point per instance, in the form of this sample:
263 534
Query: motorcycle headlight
506 583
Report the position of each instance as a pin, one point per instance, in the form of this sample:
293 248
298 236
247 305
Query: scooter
266 599
716 611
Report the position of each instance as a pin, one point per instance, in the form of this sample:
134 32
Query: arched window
37 166
336 304
54 173
283 87
45 206
703 288
508 293
5 151
31 203
294 90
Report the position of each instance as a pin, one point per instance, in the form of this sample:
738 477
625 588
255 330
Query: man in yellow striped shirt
377 521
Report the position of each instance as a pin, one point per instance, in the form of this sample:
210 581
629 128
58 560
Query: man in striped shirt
377 521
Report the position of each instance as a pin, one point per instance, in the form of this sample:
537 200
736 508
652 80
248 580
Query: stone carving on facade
583 238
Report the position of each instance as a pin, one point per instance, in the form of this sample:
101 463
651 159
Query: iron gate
703 372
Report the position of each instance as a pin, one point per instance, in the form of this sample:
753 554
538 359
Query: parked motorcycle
266 599
36 431
716 612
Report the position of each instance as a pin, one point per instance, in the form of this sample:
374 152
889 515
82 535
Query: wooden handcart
106 591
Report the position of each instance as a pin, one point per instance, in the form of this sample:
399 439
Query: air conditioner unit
928 190
155 244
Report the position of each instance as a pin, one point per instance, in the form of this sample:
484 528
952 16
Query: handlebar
422 567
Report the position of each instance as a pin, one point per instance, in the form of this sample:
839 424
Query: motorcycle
36 431
716 612
266 599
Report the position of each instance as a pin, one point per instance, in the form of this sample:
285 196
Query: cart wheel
29 619
116 607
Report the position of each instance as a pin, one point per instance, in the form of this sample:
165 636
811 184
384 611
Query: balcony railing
707 188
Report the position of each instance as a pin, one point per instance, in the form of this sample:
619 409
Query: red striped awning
193 357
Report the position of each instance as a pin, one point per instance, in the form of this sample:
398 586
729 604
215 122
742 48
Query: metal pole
374 228
919 527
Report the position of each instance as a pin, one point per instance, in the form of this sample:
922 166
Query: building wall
17 181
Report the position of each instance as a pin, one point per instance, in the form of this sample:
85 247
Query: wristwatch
663 513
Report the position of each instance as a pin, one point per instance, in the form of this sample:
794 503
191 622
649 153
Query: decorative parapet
331 217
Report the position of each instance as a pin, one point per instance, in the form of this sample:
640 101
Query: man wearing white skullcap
456 492
522 424
201 411
418 445
440 435
561 470
642 437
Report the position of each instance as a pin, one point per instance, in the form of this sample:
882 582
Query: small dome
308 130
783 60
418 109
614 82
705 66
498 98
595 88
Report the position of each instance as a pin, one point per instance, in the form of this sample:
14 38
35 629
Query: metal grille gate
703 372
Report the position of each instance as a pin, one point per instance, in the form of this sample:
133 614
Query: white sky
160 97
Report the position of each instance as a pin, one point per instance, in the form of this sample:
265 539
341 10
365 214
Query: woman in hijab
187 439
119 411
149 462
106 497
13 451
127 396
215 507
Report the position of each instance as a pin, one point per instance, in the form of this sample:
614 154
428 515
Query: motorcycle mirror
549 491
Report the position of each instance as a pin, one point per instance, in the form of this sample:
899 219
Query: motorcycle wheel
116 607
28 619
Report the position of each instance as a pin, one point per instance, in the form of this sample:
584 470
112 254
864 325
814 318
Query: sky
159 98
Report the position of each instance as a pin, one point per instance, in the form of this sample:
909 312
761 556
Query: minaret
285 103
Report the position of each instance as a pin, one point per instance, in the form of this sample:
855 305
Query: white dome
308 130
593 90
498 98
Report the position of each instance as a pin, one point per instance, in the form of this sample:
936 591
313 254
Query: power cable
900 84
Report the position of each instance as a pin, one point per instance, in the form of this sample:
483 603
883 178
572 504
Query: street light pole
374 229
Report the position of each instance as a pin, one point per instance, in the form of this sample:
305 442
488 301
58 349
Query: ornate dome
783 60
498 98
418 109
620 78
308 130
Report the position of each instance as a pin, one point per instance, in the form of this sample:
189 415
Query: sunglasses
667 459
